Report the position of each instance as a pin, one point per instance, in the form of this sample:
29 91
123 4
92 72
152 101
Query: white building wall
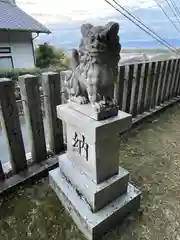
21 47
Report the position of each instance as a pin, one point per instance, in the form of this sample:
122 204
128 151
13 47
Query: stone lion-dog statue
95 66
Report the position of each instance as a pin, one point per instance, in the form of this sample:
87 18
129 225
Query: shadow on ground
151 152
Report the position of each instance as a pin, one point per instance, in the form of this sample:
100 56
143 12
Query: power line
144 28
178 2
144 25
175 7
159 5
173 10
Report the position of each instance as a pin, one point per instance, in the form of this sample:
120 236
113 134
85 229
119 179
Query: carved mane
99 51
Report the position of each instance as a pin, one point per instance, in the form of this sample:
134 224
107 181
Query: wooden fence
141 89
146 87
9 116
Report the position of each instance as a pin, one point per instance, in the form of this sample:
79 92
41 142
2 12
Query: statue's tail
74 85
75 59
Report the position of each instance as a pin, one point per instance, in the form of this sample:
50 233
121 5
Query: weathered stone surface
93 225
95 130
99 160
88 110
89 142
89 182
96 195
95 68
10 123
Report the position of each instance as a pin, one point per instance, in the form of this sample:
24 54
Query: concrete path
151 153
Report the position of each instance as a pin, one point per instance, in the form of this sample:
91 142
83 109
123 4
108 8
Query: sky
64 18
57 11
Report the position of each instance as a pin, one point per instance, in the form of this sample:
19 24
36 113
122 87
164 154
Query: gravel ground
151 152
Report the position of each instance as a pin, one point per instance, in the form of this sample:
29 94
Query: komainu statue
95 66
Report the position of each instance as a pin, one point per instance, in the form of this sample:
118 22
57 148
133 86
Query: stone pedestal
89 181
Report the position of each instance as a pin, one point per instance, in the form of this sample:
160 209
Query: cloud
64 17
57 11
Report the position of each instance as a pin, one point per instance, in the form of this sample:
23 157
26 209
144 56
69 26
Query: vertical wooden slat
178 83
161 85
125 88
166 80
2 175
144 88
151 82
174 65
30 92
174 91
137 85
171 95
121 86
146 107
178 89
11 125
129 87
52 90
169 80
155 85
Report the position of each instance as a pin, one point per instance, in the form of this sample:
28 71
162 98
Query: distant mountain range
149 44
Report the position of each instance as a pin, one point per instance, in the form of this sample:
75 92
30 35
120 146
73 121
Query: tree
49 56
44 55
61 58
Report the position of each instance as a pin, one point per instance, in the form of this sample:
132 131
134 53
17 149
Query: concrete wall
21 47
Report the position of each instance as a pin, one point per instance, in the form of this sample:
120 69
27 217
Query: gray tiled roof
13 18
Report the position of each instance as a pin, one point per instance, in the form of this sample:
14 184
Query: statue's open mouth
96 52
97 48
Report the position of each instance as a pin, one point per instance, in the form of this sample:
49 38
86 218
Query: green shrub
48 55
15 73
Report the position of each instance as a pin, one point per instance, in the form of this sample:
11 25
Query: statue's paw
96 107
99 98
99 106
114 101
104 105
111 103
82 100
72 98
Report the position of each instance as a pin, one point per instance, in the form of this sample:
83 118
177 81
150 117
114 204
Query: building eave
12 18
24 30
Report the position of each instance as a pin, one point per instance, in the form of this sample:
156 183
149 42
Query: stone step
96 195
93 225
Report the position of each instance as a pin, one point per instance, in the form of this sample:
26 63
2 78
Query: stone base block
93 225
89 111
96 195
94 145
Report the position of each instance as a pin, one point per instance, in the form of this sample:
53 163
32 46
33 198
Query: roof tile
13 18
